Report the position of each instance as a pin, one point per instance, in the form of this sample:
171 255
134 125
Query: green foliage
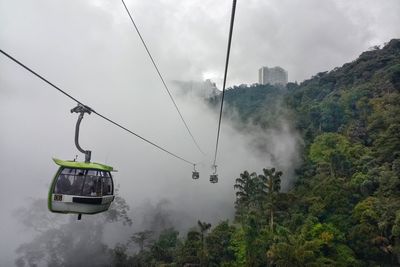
190 251
164 249
366 211
334 150
257 104
218 243
238 246
347 193
293 250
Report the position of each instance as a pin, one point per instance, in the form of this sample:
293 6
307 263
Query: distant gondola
214 176
195 173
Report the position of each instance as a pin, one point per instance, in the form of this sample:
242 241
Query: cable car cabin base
80 187
82 205
195 175
213 178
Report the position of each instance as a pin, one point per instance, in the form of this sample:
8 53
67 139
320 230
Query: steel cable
95 112
225 76
161 78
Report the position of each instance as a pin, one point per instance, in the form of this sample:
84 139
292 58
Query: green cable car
81 187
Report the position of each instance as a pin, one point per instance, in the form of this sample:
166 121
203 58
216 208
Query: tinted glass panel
63 185
92 186
107 186
84 182
69 182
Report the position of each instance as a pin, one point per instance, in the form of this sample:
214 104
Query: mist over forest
308 172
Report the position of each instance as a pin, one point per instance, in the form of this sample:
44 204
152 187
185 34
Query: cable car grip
81 109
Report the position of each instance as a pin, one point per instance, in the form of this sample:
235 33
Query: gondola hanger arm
81 109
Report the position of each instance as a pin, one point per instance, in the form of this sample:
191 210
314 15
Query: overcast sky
188 38
90 49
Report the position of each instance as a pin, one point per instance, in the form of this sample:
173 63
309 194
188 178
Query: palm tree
270 187
204 227
246 194
141 238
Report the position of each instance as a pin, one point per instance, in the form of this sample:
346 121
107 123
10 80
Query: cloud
189 39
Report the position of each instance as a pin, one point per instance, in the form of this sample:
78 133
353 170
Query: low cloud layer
36 133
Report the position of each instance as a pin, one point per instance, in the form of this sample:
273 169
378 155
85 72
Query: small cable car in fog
81 187
195 173
214 176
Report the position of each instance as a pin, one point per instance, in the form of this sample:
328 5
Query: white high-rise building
272 76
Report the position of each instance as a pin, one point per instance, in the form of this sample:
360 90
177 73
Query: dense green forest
342 210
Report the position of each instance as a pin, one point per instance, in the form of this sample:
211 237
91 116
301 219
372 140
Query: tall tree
204 227
142 239
246 187
270 187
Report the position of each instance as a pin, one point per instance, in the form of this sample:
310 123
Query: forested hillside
344 208
349 185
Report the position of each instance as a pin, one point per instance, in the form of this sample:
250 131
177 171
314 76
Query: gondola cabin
195 175
214 178
80 187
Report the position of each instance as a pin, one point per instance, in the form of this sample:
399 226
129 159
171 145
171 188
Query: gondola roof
83 165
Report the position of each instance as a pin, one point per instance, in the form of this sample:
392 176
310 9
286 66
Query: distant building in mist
273 76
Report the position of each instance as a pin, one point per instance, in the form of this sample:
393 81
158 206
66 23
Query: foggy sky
90 49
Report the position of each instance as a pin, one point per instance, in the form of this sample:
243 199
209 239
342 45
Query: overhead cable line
161 77
225 76
95 112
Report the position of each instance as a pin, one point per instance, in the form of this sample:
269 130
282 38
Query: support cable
161 77
225 75
95 112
